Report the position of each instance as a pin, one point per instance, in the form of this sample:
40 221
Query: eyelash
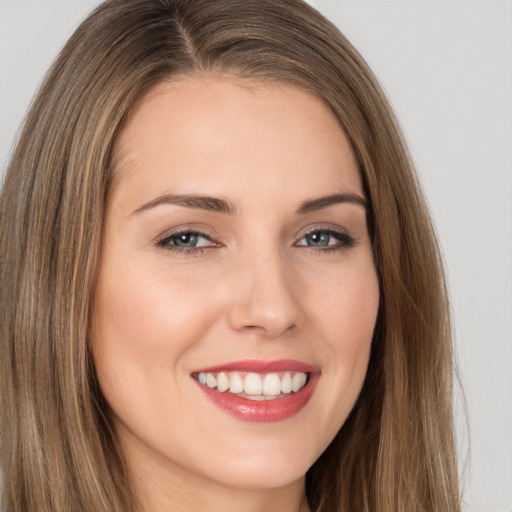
344 241
165 243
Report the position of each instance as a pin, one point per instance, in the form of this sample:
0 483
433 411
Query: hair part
58 448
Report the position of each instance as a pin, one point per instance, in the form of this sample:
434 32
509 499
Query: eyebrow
217 205
211 204
326 201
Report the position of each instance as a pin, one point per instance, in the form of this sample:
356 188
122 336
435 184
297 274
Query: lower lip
265 411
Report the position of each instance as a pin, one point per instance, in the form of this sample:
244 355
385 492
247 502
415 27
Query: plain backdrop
446 66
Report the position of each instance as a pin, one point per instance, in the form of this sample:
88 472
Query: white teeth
258 398
286 383
236 384
272 384
222 382
298 381
254 385
211 381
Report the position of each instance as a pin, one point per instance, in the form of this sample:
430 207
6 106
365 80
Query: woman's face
237 293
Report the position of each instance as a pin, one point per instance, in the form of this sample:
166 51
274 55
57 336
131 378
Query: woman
221 287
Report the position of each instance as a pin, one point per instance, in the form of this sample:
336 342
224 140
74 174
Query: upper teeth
254 384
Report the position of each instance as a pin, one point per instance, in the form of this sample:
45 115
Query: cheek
346 314
143 325
346 305
354 320
147 310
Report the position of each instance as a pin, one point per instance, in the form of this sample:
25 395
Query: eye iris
318 239
185 240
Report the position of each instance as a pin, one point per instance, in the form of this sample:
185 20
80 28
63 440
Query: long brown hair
58 449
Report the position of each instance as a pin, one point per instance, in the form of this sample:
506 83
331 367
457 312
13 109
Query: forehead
199 131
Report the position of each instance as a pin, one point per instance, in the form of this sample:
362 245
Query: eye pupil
318 239
185 240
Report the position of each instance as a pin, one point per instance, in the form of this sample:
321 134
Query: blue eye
185 240
326 239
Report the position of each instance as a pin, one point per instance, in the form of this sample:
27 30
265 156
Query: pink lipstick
259 391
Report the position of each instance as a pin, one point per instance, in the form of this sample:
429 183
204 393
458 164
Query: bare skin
275 265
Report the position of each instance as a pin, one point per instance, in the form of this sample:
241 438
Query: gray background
447 68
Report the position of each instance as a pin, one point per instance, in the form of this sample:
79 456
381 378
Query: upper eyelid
188 231
330 231
327 227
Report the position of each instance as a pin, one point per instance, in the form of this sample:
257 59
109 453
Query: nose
266 300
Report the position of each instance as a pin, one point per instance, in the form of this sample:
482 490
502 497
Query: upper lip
259 366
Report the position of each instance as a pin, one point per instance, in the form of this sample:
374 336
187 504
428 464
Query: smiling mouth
259 391
254 386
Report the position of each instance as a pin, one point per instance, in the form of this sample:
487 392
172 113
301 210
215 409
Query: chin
262 467
270 475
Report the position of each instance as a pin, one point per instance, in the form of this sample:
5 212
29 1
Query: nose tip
266 304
